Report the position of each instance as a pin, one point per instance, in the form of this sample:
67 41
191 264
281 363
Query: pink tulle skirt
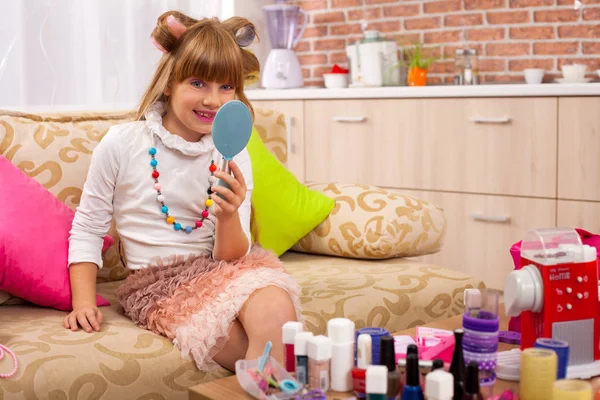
194 300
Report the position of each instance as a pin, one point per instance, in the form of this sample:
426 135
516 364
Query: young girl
197 279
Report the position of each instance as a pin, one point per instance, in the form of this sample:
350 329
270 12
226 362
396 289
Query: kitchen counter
495 90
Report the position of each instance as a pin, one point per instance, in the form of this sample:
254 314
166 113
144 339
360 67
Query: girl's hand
89 317
234 197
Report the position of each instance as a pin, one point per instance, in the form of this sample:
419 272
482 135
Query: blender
282 68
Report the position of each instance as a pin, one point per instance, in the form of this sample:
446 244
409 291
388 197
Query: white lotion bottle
341 332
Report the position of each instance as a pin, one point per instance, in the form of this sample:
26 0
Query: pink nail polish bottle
289 331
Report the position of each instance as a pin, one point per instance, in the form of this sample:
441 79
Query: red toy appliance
556 292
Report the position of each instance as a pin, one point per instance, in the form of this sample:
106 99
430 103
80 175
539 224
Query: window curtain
86 54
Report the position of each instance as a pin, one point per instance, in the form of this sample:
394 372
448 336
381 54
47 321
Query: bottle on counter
471 386
341 333
457 366
439 385
289 331
376 386
388 358
363 360
301 353
412 387
319 357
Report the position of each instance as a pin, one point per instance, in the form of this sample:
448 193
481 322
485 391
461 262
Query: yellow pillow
284 209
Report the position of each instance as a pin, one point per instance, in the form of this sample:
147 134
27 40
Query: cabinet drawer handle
491 120
349 119
488 218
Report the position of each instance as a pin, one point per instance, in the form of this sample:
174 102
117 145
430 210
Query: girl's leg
235 348
263 316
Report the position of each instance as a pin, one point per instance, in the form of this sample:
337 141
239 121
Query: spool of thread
538 373
571 389
376 335
561 348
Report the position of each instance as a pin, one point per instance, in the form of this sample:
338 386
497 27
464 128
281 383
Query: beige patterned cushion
271 128
374 223
56 151
123 361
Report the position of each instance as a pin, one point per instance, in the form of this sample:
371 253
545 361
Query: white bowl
574 72
336 81
534 76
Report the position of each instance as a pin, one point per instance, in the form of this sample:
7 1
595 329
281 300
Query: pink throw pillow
34 241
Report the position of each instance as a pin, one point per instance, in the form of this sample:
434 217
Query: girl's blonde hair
207 50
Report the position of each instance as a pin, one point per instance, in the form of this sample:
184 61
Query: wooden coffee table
228 388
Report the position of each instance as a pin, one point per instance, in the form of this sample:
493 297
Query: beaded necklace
161 198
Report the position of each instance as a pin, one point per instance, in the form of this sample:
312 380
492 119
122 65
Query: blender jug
282 25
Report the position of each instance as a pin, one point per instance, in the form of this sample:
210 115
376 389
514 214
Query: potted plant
418 64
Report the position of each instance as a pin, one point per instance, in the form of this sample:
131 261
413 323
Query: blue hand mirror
231 132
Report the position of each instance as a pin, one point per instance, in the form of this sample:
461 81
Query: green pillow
284 209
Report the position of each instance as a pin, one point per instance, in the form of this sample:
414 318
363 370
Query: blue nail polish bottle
412 388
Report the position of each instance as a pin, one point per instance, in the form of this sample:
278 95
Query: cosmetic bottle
439 385
319 357
412 389
387 357
341 333
289 331
363 360
471 386
457 366
376 386
437 364
301 353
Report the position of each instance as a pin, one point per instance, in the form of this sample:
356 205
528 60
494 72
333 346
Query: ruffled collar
172 141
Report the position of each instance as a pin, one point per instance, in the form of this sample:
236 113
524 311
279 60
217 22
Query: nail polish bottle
387 357
439 385
319 357
410 349
457 366
363 360
341 333
289 331
437 364
471 388
412 389
376 385
301 353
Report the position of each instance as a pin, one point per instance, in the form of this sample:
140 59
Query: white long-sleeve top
120 185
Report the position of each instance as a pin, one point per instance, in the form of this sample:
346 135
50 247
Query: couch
355 264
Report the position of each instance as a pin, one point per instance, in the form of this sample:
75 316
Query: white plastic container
341 333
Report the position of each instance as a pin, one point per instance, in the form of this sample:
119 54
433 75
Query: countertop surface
399 92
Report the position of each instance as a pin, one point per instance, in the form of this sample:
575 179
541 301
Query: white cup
574 72
534 76
336 81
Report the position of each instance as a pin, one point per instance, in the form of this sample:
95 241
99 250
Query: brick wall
510 35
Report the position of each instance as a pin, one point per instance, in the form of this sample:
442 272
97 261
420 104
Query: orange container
417 77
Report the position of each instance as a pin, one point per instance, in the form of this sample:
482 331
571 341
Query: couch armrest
374 223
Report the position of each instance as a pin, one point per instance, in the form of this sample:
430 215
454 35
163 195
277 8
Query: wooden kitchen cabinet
482 228
579 148
496 146
579 214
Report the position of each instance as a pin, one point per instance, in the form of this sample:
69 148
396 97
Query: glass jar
466 67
